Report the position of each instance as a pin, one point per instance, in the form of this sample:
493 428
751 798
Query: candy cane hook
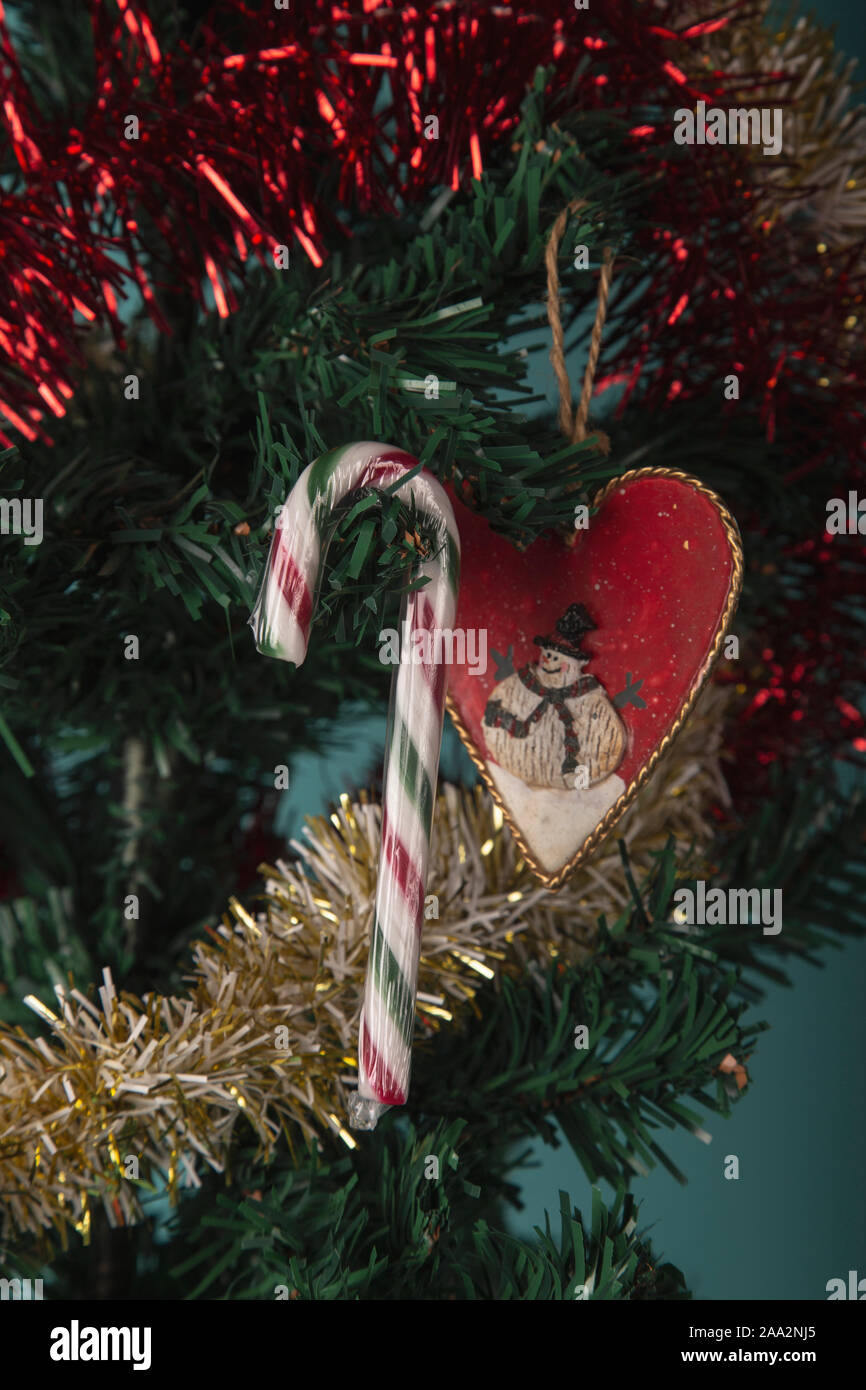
281 623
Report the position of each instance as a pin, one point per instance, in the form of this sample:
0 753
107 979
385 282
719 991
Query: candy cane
281 623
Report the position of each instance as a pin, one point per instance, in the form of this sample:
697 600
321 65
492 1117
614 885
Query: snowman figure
555 740
549 719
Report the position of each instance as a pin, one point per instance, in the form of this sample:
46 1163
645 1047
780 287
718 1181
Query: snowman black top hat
571 628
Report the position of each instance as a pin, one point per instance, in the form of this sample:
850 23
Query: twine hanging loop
574 425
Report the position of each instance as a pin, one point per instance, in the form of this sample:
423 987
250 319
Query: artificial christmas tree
235 239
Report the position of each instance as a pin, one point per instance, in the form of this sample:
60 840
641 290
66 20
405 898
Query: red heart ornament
596 650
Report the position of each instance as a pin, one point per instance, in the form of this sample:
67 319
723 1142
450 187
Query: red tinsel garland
804 672
232 137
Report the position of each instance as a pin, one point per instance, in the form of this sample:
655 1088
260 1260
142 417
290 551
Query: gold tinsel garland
269 1027
821 172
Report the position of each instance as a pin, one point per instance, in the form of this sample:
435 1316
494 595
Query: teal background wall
797 1215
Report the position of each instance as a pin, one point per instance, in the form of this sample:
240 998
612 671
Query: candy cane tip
290 650
364 1111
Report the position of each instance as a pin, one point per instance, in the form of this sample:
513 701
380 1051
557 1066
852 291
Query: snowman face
557 669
